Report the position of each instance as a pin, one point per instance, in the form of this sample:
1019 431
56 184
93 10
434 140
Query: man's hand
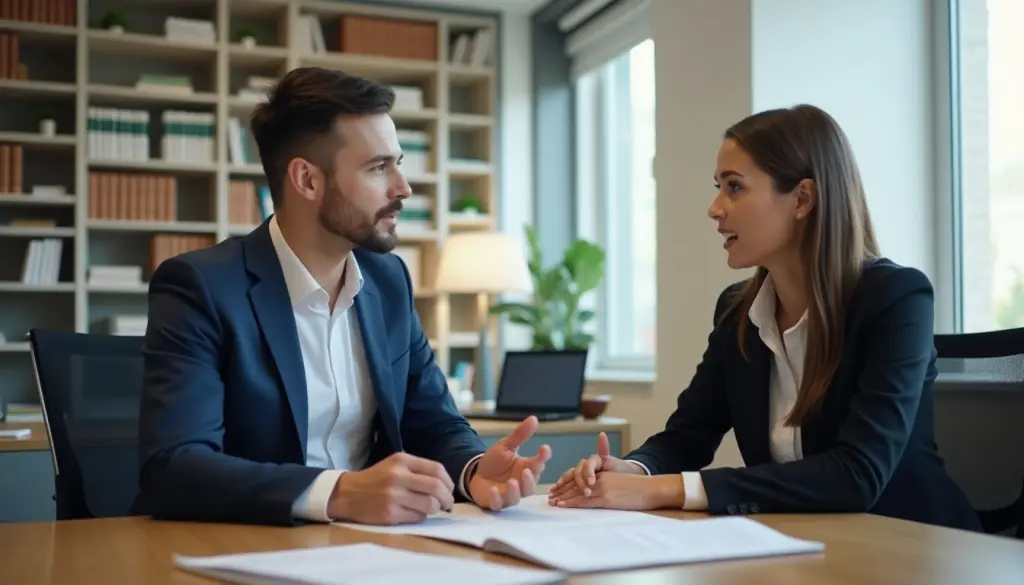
584 475
401 489
502 477
620 491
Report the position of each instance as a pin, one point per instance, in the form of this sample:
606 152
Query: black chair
89 387
980 407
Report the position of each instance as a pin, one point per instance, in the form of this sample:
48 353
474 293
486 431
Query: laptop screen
544 381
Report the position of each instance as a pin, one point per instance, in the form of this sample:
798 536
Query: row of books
121 134
11 168
132 196
248 205
10 65
42 261
56 12
475 48
240 145
164 246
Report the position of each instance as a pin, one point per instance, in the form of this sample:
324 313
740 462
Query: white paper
362 564
15 434
652 541
587 540
469 524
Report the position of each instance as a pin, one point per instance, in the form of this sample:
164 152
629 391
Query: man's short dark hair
298 118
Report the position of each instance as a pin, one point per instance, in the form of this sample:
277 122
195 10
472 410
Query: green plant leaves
554 314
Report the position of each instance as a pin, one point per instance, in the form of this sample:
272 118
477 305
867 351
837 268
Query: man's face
364 194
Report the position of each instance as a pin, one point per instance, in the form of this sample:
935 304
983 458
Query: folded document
362 564
583 541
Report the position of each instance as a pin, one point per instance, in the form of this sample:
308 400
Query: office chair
89 387
987 370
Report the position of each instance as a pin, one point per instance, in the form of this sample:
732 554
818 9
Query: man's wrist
337 508
669 491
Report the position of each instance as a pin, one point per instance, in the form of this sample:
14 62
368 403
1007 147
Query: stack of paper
583 541
363 564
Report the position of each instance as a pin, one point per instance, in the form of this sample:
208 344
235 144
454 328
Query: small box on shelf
388 37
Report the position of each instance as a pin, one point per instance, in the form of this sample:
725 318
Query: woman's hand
584 475
621 491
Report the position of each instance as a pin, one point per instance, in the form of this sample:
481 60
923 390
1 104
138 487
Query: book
365 564
587 540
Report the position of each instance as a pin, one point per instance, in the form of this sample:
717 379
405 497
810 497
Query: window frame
602 212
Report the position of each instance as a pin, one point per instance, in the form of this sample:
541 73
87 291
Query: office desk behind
26 468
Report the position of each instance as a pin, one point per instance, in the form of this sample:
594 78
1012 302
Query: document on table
362 564
583 541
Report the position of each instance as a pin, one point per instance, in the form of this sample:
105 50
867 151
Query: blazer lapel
757 381
375 345
272 307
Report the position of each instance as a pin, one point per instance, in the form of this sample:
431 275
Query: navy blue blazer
870 448
223 417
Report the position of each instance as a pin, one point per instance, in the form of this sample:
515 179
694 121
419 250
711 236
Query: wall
515 143
717 62
880 91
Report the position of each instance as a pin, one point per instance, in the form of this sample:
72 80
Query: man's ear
305 177
806 194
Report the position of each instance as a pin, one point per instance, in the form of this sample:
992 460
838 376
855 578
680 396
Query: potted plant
115 21
247 36
554 313
47 121
468 205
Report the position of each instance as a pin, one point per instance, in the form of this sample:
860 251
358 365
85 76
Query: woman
822 362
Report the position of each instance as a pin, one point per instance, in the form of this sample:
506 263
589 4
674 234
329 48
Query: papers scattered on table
363 564
583 541
15 434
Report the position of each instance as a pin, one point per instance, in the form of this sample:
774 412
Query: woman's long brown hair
791 145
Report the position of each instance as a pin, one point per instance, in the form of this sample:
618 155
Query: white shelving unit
74 67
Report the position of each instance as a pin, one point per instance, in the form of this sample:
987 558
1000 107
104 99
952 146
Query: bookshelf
171 180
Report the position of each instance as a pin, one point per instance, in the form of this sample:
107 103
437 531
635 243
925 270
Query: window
988 163
615 188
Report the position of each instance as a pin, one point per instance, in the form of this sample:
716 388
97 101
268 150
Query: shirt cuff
693 486
642 466
312 503
466 476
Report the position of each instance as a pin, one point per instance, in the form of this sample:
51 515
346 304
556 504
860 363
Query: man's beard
339 217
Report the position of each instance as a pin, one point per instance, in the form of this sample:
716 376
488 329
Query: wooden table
860 549
37 441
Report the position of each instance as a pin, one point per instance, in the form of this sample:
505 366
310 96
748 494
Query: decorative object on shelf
483 263
47 121
592 407
247 36
468 204
554 315
115 21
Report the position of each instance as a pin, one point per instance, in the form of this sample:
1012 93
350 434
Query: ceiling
514 6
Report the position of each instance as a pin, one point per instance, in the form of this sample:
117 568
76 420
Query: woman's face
757 223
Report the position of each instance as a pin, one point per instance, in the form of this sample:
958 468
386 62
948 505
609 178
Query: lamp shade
483 262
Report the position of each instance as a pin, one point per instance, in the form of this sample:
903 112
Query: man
287 376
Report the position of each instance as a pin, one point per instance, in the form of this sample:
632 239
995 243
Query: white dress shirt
338 385
787 370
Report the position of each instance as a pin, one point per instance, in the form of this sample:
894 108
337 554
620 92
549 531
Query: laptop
546 384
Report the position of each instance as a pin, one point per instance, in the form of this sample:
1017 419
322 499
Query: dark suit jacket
224 407
869 449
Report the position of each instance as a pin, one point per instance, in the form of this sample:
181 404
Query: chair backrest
89 387
979 405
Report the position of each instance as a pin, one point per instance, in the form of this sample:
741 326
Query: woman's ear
806 194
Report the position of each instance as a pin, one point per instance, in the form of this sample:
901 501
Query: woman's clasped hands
603 481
